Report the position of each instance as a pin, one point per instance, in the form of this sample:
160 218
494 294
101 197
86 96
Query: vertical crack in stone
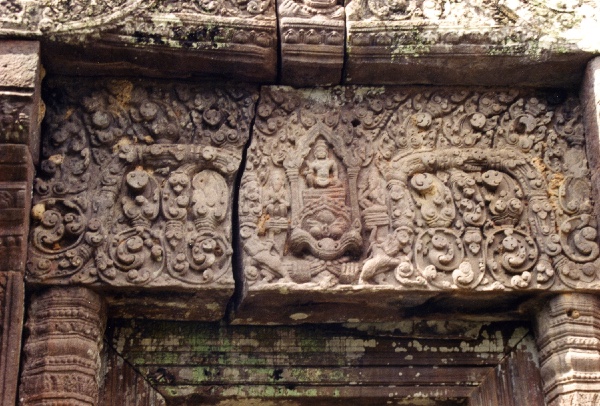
237 265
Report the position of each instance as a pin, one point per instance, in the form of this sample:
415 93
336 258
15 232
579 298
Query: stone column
62 352
568 336
19 146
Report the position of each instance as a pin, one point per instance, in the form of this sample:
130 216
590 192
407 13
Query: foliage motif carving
135 183
418 189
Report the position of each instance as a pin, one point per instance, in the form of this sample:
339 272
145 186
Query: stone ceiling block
356 199
224 38
312 35
508 42
135 187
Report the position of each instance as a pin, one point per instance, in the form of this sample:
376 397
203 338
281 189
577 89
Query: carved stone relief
312 36
62 352
135 184
372 189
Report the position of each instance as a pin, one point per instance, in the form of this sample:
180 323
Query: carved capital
62 351
568 336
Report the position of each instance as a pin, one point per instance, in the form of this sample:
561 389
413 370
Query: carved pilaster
62 352
568 336
19 139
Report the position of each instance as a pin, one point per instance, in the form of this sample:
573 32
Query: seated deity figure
322 171
276 197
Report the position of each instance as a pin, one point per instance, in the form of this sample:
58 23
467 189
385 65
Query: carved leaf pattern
135 183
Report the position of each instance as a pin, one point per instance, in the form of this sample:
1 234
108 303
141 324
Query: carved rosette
412 189
62 352
135 184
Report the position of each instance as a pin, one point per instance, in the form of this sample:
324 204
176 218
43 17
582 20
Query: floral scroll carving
135 184
414 189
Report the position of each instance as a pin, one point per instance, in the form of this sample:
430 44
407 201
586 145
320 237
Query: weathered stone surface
225 38
124 386
590 100
430 362
16 175
62 350
476 43
312 35
135 186
19 139
21 109
380 197
568 337
12 296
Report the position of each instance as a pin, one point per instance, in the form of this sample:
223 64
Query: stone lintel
373 203
134 195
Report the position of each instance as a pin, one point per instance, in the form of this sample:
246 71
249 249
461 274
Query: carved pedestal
361 203
568 336
19 146
62 352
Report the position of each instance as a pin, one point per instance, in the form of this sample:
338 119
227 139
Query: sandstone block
135 191
312 35
358 202
470 43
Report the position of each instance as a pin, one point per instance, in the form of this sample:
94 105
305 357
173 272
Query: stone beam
224 38
312 36
62 351
20 110
319 42
568 336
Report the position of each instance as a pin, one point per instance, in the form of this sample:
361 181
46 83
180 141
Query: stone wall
422 231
